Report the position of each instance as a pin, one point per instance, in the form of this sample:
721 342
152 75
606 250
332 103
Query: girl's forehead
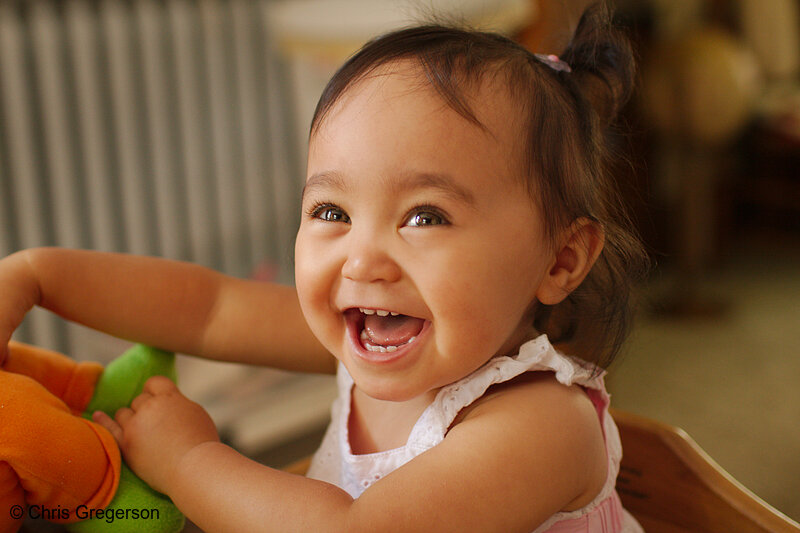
394 124
483 104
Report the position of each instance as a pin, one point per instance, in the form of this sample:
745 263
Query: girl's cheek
305 271
313 297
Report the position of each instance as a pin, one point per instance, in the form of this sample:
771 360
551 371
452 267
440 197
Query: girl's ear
579 248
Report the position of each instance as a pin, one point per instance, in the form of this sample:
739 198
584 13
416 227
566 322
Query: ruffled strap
535 355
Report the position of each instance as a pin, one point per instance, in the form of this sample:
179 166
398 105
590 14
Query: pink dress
335 463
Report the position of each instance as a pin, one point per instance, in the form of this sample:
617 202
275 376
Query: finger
140 400
159 385
107 422
123 416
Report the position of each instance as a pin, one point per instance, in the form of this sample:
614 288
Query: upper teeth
379 312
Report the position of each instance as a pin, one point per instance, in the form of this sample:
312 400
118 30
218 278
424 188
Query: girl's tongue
391 330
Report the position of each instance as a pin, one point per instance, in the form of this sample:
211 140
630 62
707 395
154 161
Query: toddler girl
457 218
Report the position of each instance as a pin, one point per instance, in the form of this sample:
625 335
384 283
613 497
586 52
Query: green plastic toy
56 466
121 382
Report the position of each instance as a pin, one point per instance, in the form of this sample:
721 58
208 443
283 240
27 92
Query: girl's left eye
425 217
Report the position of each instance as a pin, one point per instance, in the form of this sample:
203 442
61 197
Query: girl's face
411 209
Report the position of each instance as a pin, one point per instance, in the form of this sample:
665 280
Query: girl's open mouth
380 335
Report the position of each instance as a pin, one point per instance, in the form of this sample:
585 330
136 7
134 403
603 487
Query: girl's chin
389 388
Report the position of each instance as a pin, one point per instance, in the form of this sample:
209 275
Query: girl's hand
158 429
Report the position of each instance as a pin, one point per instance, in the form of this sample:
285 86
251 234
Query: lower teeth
382 349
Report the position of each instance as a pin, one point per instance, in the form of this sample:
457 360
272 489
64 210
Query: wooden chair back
671 485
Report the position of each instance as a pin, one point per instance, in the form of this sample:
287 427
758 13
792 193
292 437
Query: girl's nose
369 262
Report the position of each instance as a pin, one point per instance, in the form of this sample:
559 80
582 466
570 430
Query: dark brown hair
565 116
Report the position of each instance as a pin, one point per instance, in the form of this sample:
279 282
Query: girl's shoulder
545 422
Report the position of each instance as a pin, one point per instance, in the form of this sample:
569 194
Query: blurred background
178 128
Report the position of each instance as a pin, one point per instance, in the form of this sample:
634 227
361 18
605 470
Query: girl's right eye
329 213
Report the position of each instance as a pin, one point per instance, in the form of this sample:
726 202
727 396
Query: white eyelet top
335 463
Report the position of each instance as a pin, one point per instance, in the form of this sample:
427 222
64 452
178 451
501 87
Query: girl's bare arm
502 468
169 304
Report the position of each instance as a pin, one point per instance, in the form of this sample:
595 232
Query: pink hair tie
554 62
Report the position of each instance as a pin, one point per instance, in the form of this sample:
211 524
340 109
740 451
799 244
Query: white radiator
155 127
158 127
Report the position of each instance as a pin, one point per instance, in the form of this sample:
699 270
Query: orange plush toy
57 464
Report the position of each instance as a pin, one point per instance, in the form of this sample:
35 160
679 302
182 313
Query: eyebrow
328 179
444 183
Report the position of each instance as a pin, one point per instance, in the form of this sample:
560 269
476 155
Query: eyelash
425 208
318 208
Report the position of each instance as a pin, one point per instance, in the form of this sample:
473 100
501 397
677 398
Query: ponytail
602 63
